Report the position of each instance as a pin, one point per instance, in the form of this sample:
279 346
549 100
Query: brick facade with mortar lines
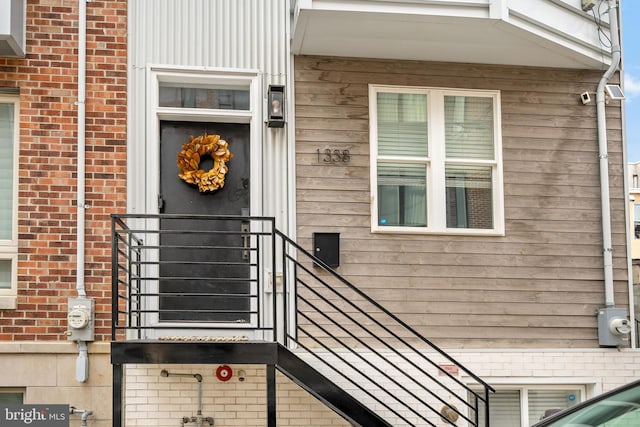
47 214
48 85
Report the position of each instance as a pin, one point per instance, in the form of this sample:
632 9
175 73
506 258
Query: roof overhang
538 33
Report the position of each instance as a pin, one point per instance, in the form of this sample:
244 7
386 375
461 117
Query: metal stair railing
371 352
320 316
166 269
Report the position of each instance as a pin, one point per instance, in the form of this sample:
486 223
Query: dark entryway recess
204 267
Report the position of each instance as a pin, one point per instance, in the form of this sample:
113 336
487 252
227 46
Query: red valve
224 373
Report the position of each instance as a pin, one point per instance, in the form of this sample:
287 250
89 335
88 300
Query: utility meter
613 327
80 319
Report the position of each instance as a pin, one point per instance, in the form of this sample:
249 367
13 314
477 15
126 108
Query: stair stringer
325 390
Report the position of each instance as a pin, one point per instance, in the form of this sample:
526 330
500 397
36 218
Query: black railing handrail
374 351
345 294
380 307
130 276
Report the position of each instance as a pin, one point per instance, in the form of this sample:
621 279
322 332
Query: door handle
160 203
246 239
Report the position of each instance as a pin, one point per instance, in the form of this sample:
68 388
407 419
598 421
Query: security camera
242 375
585 98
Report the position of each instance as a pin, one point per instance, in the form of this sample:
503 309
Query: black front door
204 268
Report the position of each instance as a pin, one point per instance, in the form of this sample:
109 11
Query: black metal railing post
114 279
486 407
274 295
285 291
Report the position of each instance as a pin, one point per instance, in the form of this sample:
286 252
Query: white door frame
150 179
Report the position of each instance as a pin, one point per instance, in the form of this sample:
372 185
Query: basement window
11 397
526 405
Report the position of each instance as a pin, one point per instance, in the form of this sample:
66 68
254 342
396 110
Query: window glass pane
469 197
193 96
6 169
5 274
505 409
402 124
636 220
11 398
544 402
469 127
402 194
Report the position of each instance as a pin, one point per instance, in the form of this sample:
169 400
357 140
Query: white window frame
524 389
435 162
9 248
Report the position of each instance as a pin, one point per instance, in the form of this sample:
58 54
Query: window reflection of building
636 220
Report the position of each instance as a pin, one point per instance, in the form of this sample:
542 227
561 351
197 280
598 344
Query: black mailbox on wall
326 247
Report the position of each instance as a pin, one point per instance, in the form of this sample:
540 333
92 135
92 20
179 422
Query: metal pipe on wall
603 154
82 362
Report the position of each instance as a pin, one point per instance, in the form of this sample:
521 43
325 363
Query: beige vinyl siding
538 285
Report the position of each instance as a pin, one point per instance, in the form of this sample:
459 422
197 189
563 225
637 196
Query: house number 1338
329 155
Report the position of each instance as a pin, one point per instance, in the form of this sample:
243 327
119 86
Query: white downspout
82 362
603 154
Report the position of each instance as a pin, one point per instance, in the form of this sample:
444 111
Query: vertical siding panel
210 33
237 34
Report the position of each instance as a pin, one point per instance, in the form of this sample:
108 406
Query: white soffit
469 36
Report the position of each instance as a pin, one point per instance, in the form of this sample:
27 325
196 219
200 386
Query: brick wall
47 80
154 400
161 401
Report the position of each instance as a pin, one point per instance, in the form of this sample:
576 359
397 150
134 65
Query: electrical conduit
82 362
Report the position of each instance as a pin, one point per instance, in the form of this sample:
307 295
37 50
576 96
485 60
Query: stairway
323 332
371 354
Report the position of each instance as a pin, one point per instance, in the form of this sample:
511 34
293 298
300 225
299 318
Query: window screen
543 402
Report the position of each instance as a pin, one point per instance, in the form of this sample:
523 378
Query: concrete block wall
598 369
151 399
154 400
45 373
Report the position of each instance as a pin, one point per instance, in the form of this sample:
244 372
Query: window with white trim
526 405
8 199
436 160
636 220
11 397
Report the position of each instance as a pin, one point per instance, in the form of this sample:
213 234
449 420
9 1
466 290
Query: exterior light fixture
275 106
